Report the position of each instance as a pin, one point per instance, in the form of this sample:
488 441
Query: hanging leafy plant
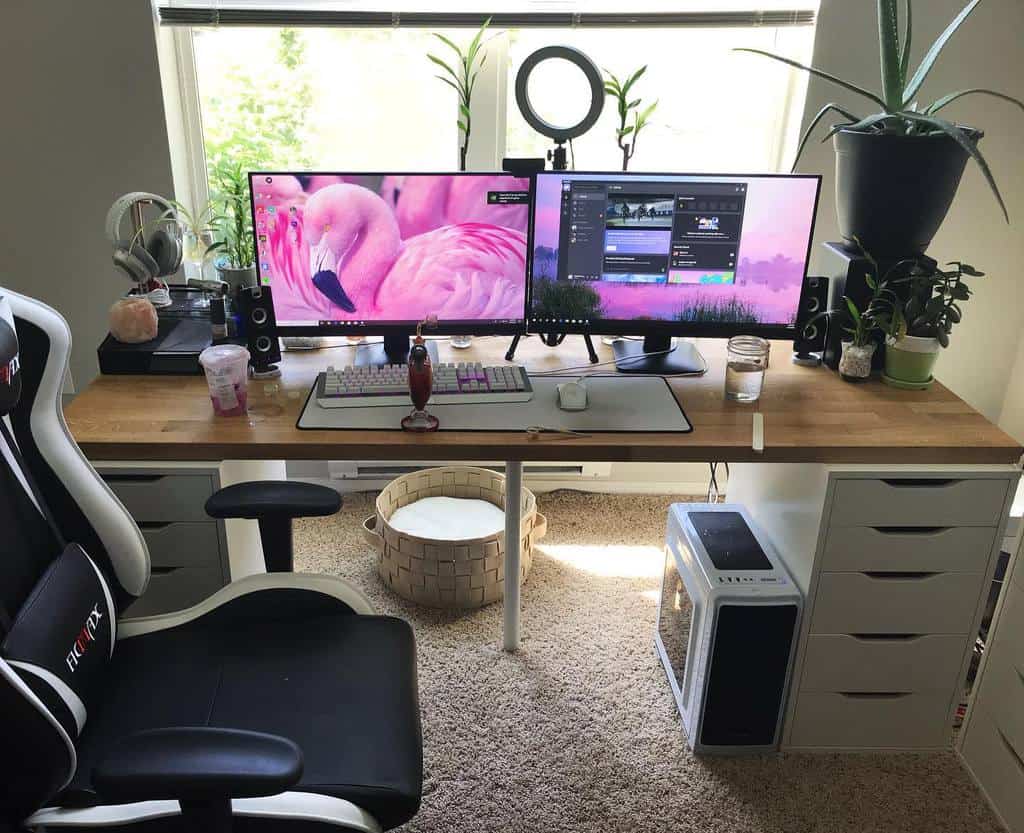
462 79
901 113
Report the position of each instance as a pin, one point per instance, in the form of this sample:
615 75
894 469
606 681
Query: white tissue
449 518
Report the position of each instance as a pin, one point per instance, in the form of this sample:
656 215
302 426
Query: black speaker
811 338
256 311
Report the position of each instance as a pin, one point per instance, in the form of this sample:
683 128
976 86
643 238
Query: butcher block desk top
810 415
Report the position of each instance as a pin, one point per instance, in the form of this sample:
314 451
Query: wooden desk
810 415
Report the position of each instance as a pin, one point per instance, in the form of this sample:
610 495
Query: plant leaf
464 110
814 123
462 125
852 307
967 269
949 99
905 54
889 54
914 84
447 68
449 43
450 83
961 139
819 73
861 125
633 79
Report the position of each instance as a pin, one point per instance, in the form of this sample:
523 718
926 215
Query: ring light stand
560 135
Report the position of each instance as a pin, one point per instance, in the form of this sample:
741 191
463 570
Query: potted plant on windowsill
898 170
237 262
916 329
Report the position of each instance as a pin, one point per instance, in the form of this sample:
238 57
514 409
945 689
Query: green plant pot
910 361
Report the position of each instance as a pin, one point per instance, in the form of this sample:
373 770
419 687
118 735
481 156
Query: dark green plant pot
910 367
893 191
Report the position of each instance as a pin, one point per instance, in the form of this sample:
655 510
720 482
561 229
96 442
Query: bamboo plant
462 78
627 133
901 112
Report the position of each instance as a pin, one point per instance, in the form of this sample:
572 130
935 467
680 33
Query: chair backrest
43 471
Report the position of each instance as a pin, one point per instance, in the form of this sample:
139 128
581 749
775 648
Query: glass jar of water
744 370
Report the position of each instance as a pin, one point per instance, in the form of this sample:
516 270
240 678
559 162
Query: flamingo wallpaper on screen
392 249
702 249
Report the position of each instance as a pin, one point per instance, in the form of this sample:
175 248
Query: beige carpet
579 732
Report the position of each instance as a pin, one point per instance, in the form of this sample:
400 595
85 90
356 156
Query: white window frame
489 113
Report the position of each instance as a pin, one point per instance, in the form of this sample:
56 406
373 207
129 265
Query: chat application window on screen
650 232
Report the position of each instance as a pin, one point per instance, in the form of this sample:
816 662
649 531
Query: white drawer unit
895 565
187 549
919 501
896 603
876 720
944 549
997 767
992 740
844 662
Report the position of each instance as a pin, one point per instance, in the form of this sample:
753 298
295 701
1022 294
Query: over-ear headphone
139 257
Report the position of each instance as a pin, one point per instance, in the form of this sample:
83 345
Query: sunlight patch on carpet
608 560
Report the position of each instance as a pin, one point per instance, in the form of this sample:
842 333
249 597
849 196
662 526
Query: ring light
542 126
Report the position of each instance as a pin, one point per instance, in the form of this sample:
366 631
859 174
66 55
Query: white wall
83 122
986 356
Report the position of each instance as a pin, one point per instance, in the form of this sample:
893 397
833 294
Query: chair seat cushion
342 686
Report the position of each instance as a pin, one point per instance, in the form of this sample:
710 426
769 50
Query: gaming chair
281 702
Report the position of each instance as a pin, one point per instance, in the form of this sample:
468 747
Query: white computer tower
728 621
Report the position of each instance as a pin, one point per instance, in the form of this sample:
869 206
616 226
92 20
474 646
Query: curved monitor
676 254
377 253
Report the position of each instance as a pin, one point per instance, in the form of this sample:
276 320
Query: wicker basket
465 573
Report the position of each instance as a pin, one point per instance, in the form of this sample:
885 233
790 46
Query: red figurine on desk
421 380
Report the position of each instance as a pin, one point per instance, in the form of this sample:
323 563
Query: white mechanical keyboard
362 387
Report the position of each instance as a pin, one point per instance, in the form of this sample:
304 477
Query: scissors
535 431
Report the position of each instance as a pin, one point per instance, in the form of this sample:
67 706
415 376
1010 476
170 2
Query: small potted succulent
918 327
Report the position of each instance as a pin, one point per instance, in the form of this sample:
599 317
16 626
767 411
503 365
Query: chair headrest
10 376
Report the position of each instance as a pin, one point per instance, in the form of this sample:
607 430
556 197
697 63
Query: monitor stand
685 358
394 350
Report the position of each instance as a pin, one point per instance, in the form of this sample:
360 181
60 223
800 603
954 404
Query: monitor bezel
476 328
641 327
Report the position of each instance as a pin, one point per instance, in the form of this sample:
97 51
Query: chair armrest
197 764
277 499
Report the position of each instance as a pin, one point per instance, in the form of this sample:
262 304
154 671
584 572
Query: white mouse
572 396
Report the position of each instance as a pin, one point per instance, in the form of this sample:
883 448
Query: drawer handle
132 478
154 525
874 695
919 575
886 637
910 530
920 482
1010 749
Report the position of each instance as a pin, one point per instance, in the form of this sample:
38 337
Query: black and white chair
281 702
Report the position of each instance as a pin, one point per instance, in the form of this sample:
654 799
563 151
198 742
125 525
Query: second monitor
669 255
354 254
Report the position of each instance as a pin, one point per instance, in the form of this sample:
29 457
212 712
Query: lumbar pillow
449 518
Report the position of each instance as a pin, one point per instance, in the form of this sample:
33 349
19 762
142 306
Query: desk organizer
465 573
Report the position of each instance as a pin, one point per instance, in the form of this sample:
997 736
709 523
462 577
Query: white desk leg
513 547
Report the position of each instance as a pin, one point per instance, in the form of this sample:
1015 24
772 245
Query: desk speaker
811 338
256 311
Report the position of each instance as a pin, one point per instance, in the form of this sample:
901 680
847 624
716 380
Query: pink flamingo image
358 264
423 203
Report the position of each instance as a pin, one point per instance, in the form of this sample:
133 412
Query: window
366 98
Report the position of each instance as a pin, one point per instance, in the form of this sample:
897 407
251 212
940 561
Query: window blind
311 14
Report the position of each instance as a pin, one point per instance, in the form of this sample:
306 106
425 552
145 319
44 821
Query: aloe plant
626 134
901 113
462 79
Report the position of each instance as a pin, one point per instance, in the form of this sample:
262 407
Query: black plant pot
893 191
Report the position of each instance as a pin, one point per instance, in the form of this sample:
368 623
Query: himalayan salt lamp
133 320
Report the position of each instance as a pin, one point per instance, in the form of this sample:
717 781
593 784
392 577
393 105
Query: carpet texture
579 732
